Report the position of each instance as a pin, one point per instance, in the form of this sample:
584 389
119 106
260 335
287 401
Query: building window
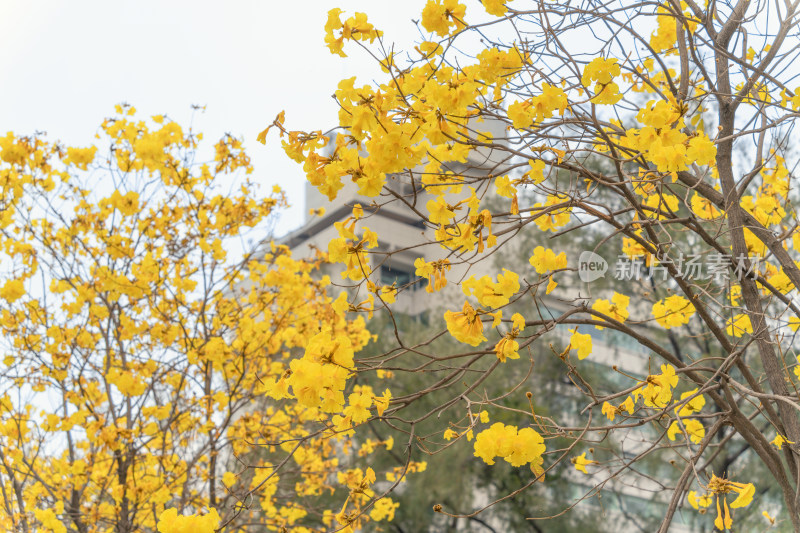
397 275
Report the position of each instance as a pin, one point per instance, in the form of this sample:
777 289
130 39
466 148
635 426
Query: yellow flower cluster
171 522
443 16
616 309
766 208
193 338
435 271
544 260
356 28
528 112
611 412
490 293
666 35
718 488
673 311
692 427
353 254
496 7
662 140
603 71
656 390
508 347
554 213
516 446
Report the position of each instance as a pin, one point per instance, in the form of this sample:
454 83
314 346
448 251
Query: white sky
65 64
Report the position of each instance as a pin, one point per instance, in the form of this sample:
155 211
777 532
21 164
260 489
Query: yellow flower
80 157
673 311
228 479
128 383
739 325
657 388
703 208
659 114
505 187
170 522
554 219
49 520
517 447
581 463
719 488
465 326
525 448
781 282
525 113
382 402
439 15
537 467
627 405
600 70
388 294
358 408
383 510
609 411
693 406
517 322
545 260
746 493
701 501
507 348
616 309
702 151
779 441
355 28
12 290
440 211
536 174
582 342
495 7
694 428
607 93
434 271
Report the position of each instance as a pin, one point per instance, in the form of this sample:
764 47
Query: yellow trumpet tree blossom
145 358
658 133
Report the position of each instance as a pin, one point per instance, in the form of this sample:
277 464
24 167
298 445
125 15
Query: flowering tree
662 130
139 345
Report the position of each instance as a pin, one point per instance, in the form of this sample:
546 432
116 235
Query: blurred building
400 231
392 217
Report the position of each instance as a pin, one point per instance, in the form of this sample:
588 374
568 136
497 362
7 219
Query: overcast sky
65 65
